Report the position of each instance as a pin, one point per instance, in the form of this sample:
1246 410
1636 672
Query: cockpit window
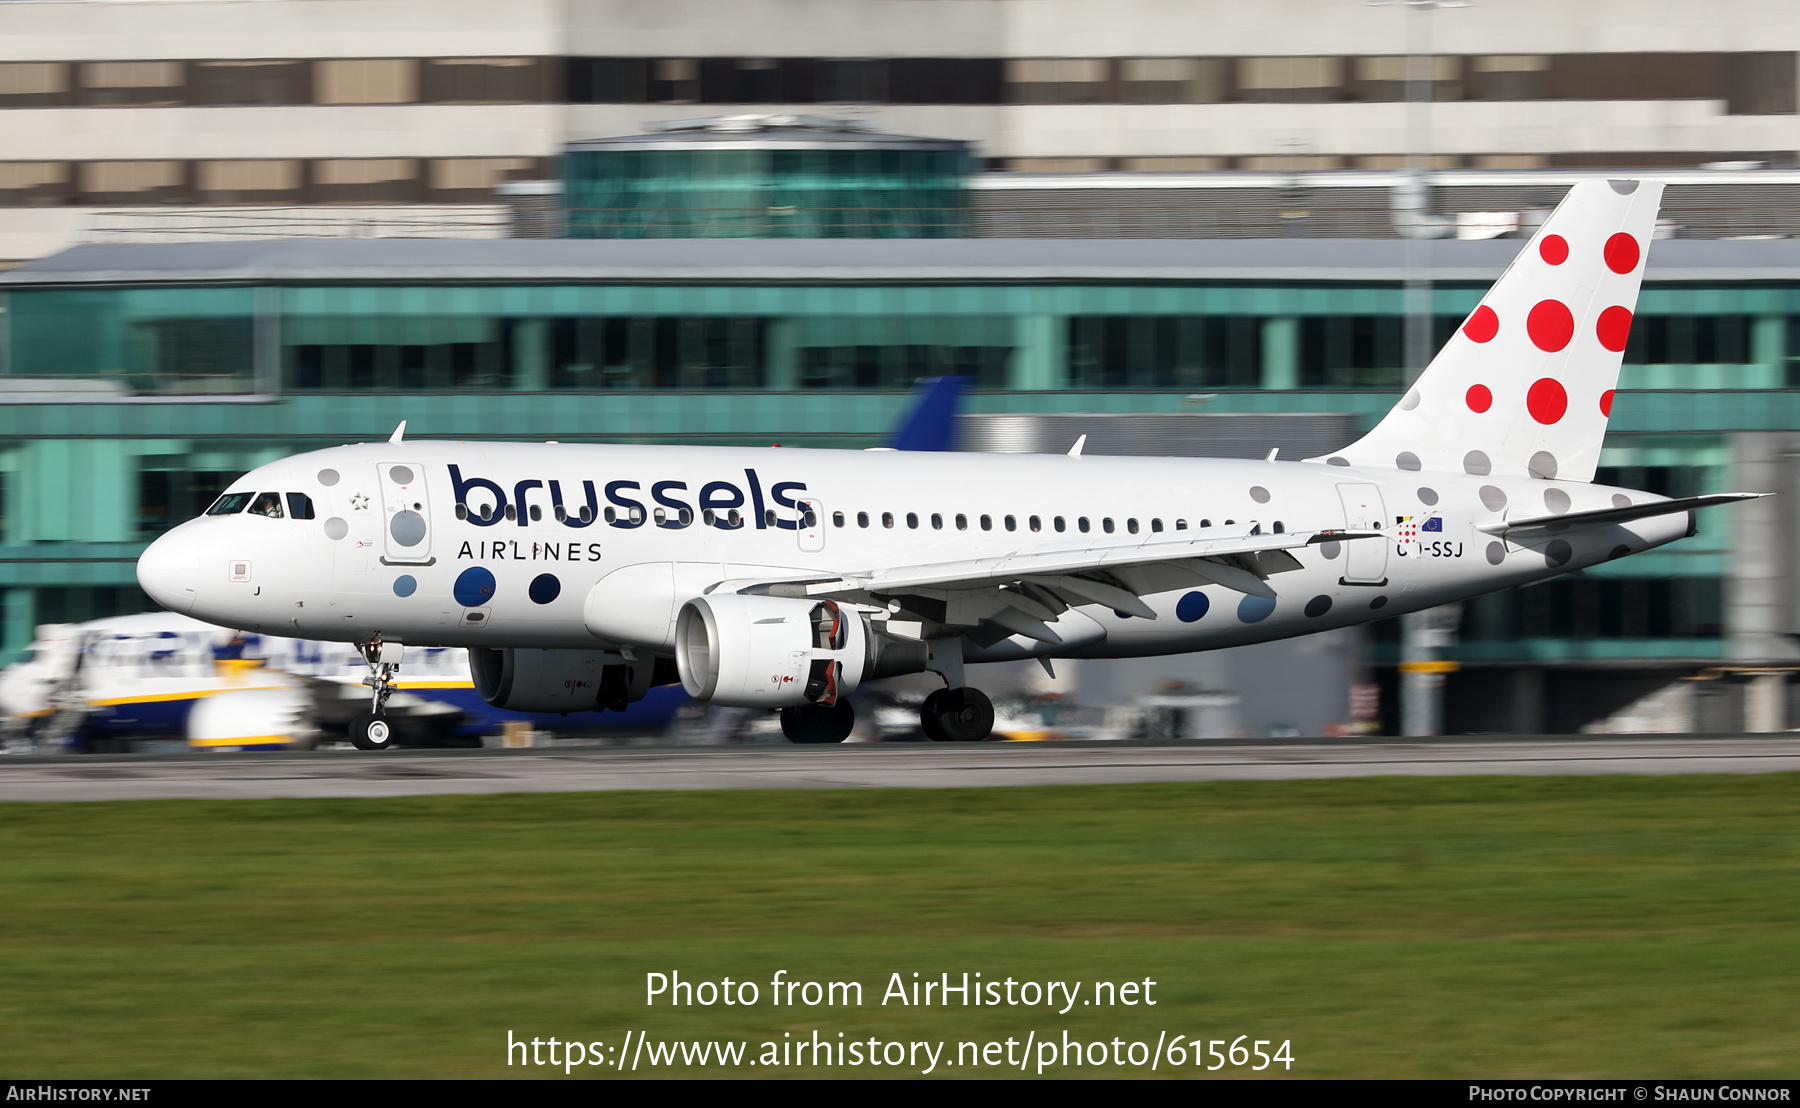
300 505
230 504
266 504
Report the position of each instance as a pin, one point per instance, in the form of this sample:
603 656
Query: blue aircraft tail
931 425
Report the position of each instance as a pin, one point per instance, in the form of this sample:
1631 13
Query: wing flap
1069 559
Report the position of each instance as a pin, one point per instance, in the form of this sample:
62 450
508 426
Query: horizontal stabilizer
1551 525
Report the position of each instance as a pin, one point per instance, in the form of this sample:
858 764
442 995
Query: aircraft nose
169 571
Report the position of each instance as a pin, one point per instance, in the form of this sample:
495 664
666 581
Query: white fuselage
357 569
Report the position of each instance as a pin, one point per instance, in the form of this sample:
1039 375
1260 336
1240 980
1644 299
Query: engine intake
750 651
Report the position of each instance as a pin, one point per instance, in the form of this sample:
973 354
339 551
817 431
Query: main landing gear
957 715
373 731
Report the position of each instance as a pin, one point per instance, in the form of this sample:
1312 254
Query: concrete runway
894 765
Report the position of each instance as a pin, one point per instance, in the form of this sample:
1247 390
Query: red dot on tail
1483 324
1614 327
1479 399
1550 325
1554 249
1606 402
1621 253
1546 400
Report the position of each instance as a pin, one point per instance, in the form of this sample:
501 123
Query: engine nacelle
561 681
769 652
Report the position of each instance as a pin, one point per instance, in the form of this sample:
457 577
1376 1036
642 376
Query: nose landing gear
373 731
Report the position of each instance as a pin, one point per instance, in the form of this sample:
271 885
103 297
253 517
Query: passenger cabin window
1059 524
1082 525
1155 526
887 519
300 505
230 504
1107 525
1206 523
1035 523
1181 525
962 522
1012 524
266 504
837 519
1280 528
862 519
937 522
912 520
537 514
1131 525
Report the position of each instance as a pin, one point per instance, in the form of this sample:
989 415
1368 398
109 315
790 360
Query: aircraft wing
1539 526
1021 593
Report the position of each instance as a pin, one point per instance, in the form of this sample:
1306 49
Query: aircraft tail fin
1525 385
931 425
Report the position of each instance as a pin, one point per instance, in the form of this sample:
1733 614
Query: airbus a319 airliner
579 576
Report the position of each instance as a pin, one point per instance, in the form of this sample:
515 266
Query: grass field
1442 927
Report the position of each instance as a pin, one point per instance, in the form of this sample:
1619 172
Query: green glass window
169 340
752 193
1183 351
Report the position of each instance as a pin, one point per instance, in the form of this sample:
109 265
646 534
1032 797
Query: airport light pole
1422 633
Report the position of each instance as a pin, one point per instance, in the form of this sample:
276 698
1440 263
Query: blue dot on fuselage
474 587
544 588
1192 606
405 585
1255 609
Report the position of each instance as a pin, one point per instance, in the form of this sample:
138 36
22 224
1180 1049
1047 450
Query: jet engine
523 680
752 651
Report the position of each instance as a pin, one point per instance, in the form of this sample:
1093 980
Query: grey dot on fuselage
1408 461
1556 500
408 528
1496 552
1334 461
1259 494
336 528
328 477
1409 401
1623 188
1329 550
1428 497
1558 553
1620 500
1493 499
1542 465
1476 464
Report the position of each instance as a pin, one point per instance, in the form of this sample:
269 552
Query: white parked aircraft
128 676
580 576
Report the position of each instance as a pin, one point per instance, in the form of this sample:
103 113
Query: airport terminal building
139 378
